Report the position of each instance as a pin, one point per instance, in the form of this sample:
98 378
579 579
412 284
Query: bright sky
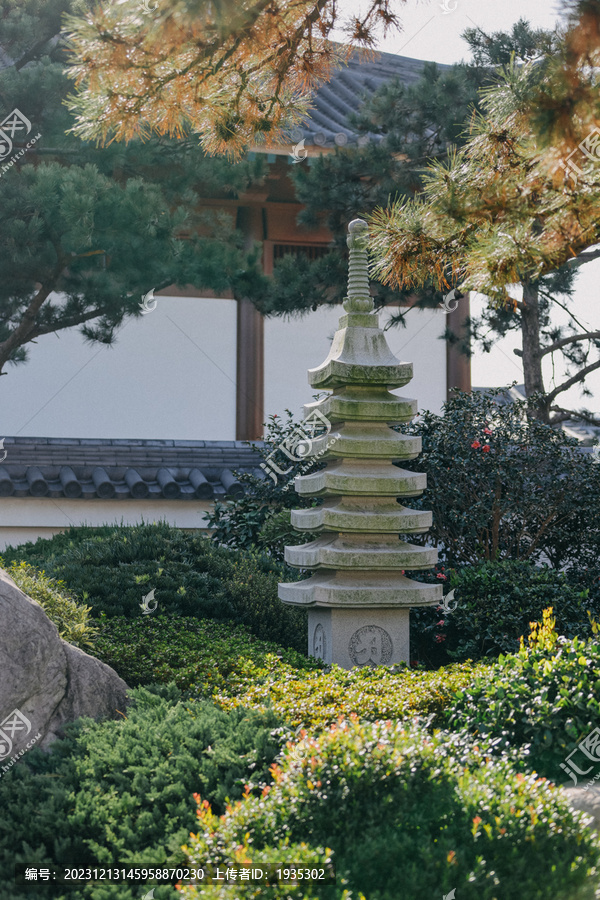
432 32
429 32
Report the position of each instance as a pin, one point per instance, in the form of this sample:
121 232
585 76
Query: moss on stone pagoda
358 598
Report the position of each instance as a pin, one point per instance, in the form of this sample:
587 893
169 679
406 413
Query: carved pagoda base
352 637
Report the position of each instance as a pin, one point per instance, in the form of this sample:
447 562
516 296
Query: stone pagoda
358 598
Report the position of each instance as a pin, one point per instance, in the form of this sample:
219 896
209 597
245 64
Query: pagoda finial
359 297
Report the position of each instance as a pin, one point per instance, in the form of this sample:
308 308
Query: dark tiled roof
124 469
336 101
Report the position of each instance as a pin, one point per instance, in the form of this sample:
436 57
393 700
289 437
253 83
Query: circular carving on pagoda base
370 646
319 642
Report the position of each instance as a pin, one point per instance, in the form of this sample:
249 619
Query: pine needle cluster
508 207
235 73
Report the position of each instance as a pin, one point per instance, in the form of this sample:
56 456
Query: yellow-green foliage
317 699
71 618
545 697
543 634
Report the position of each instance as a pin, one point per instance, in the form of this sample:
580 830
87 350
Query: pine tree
234 72
87 232
506 209
422 123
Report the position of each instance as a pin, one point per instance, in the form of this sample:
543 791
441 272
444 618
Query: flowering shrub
494 604
501 485
545 697
401 813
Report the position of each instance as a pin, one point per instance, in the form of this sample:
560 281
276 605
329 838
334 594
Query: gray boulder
44 681
587 799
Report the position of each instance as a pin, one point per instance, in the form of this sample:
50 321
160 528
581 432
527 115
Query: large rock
44 681
587 799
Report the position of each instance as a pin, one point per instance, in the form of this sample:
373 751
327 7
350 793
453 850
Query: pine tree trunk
532 358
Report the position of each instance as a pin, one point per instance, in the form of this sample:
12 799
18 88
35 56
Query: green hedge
545 697
217 660
199 656
113 568
318 699
495 602
403 813
122 790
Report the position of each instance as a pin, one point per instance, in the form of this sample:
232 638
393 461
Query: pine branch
230 75
580 376
565 414
589 335
33 51
562 306
585 257
60 324
26 326
21 333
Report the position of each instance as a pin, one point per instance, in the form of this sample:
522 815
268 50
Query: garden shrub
71 618
404 814
261 516
121 791
114 569
44 549
586 578
501 485
199 656
318 699
545 697
495 602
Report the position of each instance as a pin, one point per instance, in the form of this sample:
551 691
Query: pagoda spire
359 296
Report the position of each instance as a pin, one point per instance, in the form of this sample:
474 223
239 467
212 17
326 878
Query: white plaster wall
294 345
420 344
170 375
52 516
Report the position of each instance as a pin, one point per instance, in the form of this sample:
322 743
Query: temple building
140 429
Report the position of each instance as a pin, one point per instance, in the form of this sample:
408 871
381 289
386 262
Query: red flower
441 622
443 577
439 638
486 448
475 445
487 431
